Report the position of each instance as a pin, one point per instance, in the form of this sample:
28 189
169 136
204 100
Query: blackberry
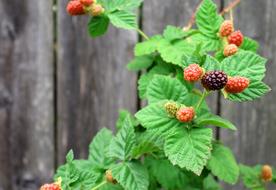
214 80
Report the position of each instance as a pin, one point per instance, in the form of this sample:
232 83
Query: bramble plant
169 144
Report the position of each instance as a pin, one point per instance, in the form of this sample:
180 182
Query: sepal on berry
236 38
185 114
193 73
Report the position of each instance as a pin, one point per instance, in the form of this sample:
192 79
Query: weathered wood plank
93 82
255 141
26 99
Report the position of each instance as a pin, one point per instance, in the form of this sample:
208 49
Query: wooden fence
58 86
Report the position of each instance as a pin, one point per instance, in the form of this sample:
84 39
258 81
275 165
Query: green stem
142 34
100 185
203 96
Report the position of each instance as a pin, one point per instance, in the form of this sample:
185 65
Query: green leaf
123 19
123 114
166 88
250 45
70 156
207 19
112 5
209 183
251 177
189 148
223 164
98 149
147 47
174 33
131 175
246 64
140 62
208 44
255 90
155 116
98 26
122 145
214 120
211 63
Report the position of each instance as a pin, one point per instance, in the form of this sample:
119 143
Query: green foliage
154 150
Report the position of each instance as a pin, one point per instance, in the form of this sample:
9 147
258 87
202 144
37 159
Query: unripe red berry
97 10
230 49
193 73
74 7
267 173
171 108
109 177
236 84
52 186
185 114
87 2
236 38
226 28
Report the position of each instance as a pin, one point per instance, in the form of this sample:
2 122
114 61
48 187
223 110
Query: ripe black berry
214 80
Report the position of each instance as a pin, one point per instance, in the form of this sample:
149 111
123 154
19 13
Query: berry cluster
81 7
234 38
182 113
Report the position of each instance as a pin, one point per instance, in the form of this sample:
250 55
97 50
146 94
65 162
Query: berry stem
203 96
231 6
100 185
142 34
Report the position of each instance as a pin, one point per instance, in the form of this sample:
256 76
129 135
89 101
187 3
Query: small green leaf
113 5
122 145
189 148
140 62
98 149
147 47
207 19
250 45
251 177
223 164
166 88
209 183
174 33
123 114
70 156
123 19
98 26
255 90
131 175
211 63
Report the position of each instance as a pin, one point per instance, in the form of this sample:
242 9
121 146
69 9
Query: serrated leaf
217 164
255 90
98 149
122 145
246 64
208 44
147 47
189 148
131 175
140 62
155 116
123 19
70 156
173 33
123 114
98 26
214 120
211 63
166 88
251 177
209 183
112 5
250 45
207 19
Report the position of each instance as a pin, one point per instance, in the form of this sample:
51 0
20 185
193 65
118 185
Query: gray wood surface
93 82
26 94
255 141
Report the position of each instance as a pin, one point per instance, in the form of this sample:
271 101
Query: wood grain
254 142
93 82
26 94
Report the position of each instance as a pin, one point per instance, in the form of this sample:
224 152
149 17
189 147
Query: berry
226 28
109 178
185 114
230 49
236 84
97 10
74 7
236 38
87 2
193 73
52 186
214 80
171 108
266 173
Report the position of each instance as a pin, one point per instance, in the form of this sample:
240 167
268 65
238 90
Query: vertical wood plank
255 141
93 82
26 94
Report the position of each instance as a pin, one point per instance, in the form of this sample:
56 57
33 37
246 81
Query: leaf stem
99 185
142 34
203 96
